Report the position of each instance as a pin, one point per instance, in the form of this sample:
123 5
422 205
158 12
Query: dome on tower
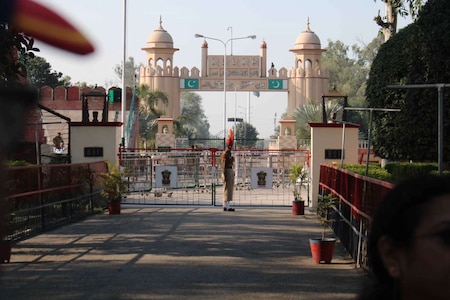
307 39
159 38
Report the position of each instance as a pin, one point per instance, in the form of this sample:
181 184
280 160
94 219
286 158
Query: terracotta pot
114 207
298 207
5 252
322 250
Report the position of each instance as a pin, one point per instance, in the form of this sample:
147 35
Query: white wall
329 136
105 135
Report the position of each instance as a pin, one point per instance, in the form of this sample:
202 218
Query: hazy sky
276 22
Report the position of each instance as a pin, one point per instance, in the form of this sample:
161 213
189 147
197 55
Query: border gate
193 176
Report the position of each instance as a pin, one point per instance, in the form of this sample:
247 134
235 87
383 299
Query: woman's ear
390 256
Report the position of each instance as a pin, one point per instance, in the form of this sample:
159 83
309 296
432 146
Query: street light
371 110
224 43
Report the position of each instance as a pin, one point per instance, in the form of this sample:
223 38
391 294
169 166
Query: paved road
179 253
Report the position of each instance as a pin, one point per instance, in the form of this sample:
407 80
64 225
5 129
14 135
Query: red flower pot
298 207
114 207
322 250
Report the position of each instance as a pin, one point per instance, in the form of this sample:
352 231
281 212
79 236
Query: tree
192 121
15 49
310 113
41 74
349 75
245 135
417 54
394 8
131 72
148 111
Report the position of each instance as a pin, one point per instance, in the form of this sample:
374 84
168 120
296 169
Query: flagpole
124 88
248 108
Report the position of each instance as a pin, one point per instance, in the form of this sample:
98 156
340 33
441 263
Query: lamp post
224 43
369 140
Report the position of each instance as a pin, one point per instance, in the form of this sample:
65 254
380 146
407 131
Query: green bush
374 171
403 170
17 163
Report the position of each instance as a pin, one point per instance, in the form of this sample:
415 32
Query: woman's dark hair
397 217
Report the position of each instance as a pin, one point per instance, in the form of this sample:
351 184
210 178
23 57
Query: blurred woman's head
409 246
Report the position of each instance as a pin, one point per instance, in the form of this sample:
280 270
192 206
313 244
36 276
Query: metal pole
369 142
371 109
231 38
224 93
440 87
358 258
235 112
343 144
124 91
248 108
440 130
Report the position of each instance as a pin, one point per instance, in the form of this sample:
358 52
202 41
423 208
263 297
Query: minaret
158 74
204 72
308 82
263 54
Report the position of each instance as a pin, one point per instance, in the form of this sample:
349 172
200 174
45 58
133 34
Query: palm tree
150 99
149 112
312 112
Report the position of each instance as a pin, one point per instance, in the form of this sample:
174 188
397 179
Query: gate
193 176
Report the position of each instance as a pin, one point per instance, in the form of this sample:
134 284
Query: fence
196 176
40 197
359 196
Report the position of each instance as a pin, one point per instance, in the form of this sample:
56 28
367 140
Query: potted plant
322 248
113 188
297 175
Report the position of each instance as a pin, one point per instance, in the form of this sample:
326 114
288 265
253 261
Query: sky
278 23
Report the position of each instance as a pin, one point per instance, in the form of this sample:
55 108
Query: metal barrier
358 198
41 197
197 176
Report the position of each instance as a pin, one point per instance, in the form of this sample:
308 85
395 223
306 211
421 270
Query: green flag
277 84
189 83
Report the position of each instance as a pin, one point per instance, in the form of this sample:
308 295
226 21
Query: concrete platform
179 253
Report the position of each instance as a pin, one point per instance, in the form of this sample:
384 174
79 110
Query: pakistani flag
187 83
277 84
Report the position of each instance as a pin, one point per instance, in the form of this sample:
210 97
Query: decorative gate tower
308 81
159 73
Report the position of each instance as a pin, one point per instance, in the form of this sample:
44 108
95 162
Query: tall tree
417 54
246 135
349 73
192 121
41 74
394 8
131 72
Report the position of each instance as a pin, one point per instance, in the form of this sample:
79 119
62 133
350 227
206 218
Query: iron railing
41 197
358 198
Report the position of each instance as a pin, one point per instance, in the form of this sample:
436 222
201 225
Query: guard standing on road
227 162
